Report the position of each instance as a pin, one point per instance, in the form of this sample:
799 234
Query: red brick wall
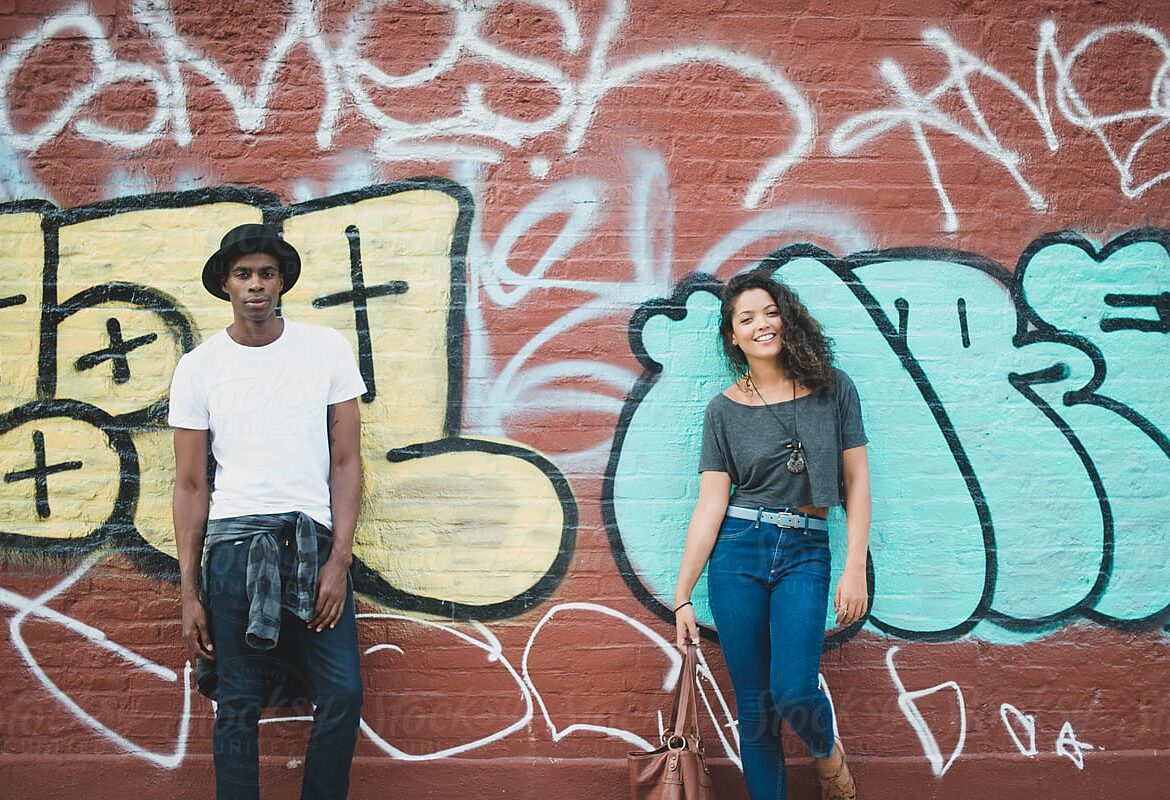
971 198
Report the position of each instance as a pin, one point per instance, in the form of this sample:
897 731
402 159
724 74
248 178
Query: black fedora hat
250 238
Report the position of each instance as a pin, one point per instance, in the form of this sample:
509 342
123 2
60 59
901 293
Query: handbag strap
684 713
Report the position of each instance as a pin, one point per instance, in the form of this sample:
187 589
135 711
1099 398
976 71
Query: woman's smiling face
756 326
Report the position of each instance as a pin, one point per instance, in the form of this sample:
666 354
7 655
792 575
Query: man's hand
331 588
196 632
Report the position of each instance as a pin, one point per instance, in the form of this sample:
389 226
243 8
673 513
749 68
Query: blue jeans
769 591
331 664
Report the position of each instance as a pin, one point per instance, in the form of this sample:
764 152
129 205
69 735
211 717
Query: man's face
253 285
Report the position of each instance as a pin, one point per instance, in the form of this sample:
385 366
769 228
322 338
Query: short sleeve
345 382
188 407
712 458
849 413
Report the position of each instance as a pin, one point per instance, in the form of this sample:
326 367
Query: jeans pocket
811 538
733 528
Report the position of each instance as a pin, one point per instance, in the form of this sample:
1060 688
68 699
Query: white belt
781 519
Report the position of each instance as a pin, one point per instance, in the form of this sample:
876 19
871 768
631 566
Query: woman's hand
686 628
851 600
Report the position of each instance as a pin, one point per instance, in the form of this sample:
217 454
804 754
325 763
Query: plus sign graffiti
358 296
39 474
124 274
116 352
74 444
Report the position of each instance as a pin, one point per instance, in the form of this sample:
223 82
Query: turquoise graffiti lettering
1017 421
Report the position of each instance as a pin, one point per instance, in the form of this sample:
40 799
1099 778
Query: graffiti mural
353 83
534 321
1142 46
1025 388
351 78
86 447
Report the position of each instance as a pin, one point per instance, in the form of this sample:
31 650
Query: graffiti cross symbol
14 300
358 295
40 474
1159 302
116 352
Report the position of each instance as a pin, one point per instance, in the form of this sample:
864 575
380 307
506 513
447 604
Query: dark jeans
331 664
769 589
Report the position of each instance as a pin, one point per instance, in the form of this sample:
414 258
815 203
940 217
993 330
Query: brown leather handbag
676 770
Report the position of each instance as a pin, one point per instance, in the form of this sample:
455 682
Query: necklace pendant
796 462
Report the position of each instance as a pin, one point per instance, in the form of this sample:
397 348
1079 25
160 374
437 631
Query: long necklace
796 462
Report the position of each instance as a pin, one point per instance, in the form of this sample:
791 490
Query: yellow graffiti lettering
472 527
22 255
101 302
60 479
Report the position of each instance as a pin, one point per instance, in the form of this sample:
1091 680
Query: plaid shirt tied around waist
267 593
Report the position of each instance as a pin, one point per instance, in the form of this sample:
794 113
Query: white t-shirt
265 410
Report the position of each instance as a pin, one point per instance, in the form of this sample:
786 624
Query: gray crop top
748 443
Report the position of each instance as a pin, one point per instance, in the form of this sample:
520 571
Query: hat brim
286 255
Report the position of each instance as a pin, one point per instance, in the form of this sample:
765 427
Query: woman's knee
792 700
756 716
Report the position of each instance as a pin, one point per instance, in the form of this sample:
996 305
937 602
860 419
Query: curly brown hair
807 354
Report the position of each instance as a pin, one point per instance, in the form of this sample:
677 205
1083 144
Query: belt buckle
786 519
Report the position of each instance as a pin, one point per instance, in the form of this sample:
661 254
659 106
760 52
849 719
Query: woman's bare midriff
815 511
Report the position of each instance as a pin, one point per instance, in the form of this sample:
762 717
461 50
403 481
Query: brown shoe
838 784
